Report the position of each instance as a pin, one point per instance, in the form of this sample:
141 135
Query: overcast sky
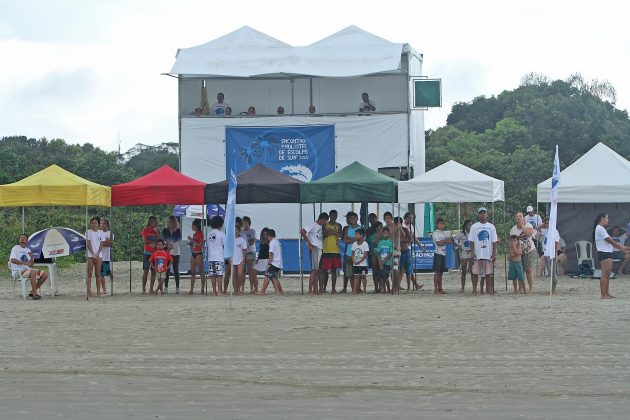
85 71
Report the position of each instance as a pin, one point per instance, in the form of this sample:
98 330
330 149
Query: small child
515 272
238 260
196 264
106 266
215 241
385 248
360 252
441 238
274 265
161 261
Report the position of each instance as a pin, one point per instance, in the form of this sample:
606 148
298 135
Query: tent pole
300 250
506 236
23 224
551 274
459 214
87 290
111 253
205 254
130 230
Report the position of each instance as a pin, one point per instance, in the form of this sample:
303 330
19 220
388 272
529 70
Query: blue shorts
106 269
146 265
405 261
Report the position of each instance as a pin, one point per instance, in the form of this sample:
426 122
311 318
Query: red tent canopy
162 186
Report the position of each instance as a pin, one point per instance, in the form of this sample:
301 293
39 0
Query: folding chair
18 277
584 252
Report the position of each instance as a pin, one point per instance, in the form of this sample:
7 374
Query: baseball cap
481 209
530 208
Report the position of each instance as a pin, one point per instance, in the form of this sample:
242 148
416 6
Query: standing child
441 238
106 266
94 248
385 251
274 265
215 241
238 261
161 261
516 272
196 264
250 235
360 253
373 237
463 246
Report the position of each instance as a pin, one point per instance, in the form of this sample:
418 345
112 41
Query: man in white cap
483 251
533 219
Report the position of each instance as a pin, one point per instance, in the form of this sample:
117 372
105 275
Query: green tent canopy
353 184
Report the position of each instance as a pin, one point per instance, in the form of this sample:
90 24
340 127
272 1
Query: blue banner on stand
306 152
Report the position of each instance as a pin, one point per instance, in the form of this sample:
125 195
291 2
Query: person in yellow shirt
331 257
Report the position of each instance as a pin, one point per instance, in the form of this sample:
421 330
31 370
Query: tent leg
130 229
111 255
552 273
507 239
23 224
87 290
300 251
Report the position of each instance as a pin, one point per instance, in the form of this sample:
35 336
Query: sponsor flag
550 248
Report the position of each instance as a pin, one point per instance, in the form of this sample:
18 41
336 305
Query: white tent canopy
451 182
250 53
601 175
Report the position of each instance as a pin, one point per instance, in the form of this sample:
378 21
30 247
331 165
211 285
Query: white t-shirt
95 238
275 248
219 109
21 254
534 220
358 251
482 236
600 240
363 104
250 234
315 235
463 244
440 235
240 245
527 243
106 252
214 242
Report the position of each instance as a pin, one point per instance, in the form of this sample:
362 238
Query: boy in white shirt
313 235
215 240
274 265
360 251
483 250
441 238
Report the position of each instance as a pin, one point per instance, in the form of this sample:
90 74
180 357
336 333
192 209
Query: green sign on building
427 93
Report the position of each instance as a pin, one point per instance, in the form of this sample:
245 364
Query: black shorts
604 255
359 270
384 272
272 272
439 263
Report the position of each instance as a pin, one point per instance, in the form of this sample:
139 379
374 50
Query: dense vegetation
513 136
21 157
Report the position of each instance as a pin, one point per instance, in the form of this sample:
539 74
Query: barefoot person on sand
483 250
605 246
463 246
526 234
441 238
274 266
93 249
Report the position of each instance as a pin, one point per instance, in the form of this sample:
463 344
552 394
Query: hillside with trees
513 136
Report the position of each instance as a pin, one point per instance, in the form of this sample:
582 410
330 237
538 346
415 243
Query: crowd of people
221 109
351 251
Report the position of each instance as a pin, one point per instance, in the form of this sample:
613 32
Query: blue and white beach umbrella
196 212
56 242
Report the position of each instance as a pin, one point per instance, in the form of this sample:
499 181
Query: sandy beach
296 356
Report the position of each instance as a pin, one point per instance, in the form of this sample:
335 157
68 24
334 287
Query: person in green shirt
385 248
373 237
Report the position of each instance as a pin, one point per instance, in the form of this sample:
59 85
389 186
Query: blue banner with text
306 153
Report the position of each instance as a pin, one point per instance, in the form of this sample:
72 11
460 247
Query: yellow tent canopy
54 186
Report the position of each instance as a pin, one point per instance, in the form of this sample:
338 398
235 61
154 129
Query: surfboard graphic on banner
306 153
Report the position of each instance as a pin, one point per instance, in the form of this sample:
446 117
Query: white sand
294 356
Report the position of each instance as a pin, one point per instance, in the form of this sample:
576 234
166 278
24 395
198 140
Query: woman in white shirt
605 246
94 253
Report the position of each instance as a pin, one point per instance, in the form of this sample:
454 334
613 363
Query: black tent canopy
260 184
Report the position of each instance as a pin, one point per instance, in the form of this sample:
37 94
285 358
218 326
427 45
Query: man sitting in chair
22 261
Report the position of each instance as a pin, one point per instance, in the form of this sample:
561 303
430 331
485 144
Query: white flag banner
552 235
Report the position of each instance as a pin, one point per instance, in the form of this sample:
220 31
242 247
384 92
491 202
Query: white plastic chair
18 277
584 252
